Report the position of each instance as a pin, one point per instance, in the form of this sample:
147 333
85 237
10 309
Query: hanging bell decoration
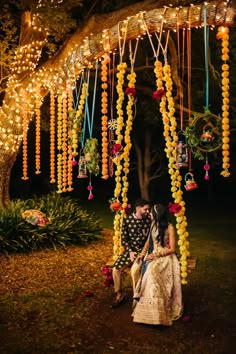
190 183
182 154
207 136
82 170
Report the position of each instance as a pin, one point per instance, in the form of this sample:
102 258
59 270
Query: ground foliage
55 301
67 223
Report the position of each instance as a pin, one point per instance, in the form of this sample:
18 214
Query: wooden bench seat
191 263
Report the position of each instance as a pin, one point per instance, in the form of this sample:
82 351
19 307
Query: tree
31 76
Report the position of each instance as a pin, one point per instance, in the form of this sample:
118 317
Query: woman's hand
149 257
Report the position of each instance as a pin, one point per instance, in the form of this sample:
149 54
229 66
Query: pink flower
106 271
174 208
74 162
116 148
90 188
127 208
90 196
130 91
158 94
88 293
186 318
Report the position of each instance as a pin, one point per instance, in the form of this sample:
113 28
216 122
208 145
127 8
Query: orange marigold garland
104 110
37 132
52 138
223 34
25 143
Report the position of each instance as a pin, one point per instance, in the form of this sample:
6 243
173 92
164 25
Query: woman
158 293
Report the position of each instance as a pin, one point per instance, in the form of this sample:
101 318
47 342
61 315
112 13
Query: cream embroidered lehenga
159 289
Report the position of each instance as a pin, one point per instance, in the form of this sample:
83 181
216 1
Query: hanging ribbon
88 120
206 41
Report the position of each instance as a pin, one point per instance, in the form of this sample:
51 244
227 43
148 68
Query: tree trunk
6 164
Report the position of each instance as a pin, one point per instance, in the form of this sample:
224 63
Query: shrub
69 224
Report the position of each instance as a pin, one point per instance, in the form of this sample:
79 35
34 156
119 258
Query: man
134 234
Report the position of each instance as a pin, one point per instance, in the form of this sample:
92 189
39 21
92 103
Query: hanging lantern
190 183
182 154
82 170
207 136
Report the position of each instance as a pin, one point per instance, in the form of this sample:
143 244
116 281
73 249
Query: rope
206 40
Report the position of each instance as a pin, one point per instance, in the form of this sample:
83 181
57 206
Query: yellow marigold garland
70 155
130 91
64 143
223 34
171 139
118 219
104 110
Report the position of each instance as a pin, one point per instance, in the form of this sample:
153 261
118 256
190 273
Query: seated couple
149 243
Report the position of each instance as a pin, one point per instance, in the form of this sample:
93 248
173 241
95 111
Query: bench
191 263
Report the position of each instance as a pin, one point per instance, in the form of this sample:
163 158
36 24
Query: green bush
69 225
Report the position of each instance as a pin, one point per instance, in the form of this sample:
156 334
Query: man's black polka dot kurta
134 235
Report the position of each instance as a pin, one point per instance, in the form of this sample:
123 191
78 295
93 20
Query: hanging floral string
70 155
25 142
131 93
121 69
37 131
91 154
64 142
77 119
52 138
59 143
104 79
223 34
112 123
171 138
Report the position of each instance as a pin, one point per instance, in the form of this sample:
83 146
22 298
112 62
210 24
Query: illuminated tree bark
82 48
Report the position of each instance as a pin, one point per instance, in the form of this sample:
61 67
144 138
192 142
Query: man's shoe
118 302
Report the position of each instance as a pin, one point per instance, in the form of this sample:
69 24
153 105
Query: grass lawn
44 307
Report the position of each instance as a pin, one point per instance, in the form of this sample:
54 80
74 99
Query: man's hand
132 256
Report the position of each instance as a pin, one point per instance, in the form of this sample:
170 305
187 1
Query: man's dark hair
141 202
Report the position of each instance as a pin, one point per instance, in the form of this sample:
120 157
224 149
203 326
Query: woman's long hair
160 220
